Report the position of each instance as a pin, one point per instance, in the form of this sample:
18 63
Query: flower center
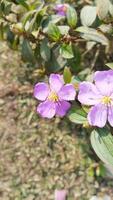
53 97
106 100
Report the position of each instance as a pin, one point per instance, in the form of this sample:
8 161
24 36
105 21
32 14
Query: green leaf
57 62
71 16
64 29
27 52
111 9
7 9
102 143
50 19
75 62
54 32
91 34
27 16
1 31
91 171
102 8
86 108
2 8
101 170
45 50
23 3
67 75
106 28
110 65
88 15
77 115
10 36
66 51
32 22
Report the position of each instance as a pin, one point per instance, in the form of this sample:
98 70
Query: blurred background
38 155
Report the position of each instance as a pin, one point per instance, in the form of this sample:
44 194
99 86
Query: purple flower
61 9
55 96
100 97
60 194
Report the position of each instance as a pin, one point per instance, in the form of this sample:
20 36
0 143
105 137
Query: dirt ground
38 156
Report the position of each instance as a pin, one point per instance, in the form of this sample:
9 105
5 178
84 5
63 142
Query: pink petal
62 108
47 109
104 81
56 82
41 91
59 6
88 94
61 9
60 194
110 115
67 92
97 116
61 13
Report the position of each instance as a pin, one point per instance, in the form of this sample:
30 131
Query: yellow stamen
106 100
53 97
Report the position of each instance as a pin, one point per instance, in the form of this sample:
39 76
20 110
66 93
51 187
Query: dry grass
36 156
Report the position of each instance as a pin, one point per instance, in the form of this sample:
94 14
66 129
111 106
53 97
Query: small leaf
101 170
71 16
32 22
23 3
102 8
102 143
10 36
27 52
45 50
86 108
66 51
50 19
91 34
67 75
110 65
27 16
54 32
75 62
77 115
88 15
91 171
106 28
57 62
64 29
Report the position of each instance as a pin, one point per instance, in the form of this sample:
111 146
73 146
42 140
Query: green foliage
54 32
102 143
78 115
66 51
37 22
93 35
45 50
102 8
27 52
110 65
71 16
67 76
23 3
85 13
